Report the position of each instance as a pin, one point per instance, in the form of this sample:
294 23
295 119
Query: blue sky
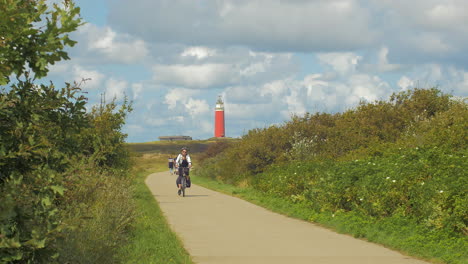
268 59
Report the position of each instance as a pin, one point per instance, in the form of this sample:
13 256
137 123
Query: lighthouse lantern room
219 118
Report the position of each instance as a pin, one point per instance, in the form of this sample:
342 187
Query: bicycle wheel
184 185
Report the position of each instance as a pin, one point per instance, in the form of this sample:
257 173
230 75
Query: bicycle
185 171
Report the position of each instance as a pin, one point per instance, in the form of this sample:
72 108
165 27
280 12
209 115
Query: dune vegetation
391 171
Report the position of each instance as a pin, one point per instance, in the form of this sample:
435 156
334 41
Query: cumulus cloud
252 52
340 87
115 89
449 79
194 76
263 24
405 83
222 69
111 46
383 65
178 96
341 62
196 107
89 78
137 88
92 79
198 52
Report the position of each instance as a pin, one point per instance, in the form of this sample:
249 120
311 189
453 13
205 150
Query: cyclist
183 161
171 164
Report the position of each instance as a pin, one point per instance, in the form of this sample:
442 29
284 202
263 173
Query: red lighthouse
219 118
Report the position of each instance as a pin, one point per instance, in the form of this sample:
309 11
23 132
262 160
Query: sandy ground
217 228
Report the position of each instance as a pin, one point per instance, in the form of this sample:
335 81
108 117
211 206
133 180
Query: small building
174 138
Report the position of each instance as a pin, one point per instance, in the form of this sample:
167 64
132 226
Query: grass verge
152 239
397 233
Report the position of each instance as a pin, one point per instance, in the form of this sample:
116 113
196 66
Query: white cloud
366 87
59 68
430 42
405 83
383 64
341 62
115 89
265 24
250 51
137 88
458 81
198 52
93 79
112 46
194 76
223 68
196 107
447 14
276 88
178 95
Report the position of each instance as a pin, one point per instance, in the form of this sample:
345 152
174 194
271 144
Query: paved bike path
218 228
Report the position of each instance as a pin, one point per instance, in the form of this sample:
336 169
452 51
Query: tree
33 36
36 124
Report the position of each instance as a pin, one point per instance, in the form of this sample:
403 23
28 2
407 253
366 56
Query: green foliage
385 160
396 232
107 148
427 185
63 171
98 211
213 150
255 152
47 142
34 36
38 134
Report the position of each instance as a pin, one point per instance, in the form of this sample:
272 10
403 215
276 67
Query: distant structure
174 138
219 118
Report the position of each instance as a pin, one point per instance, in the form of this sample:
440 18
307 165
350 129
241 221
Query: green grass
152 239
397 233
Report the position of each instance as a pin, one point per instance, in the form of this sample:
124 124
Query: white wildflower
394 181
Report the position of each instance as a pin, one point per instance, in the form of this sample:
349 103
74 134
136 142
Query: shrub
44 133
405 156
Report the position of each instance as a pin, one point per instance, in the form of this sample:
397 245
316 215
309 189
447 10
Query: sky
267 59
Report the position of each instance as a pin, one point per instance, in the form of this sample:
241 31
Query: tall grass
100 213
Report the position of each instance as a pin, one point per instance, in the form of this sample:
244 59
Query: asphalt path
218 228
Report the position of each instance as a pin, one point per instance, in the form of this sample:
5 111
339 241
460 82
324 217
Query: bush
45 133
98 213
427 185
405 156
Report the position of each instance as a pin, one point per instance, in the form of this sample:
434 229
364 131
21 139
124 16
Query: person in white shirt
183 161
171 164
